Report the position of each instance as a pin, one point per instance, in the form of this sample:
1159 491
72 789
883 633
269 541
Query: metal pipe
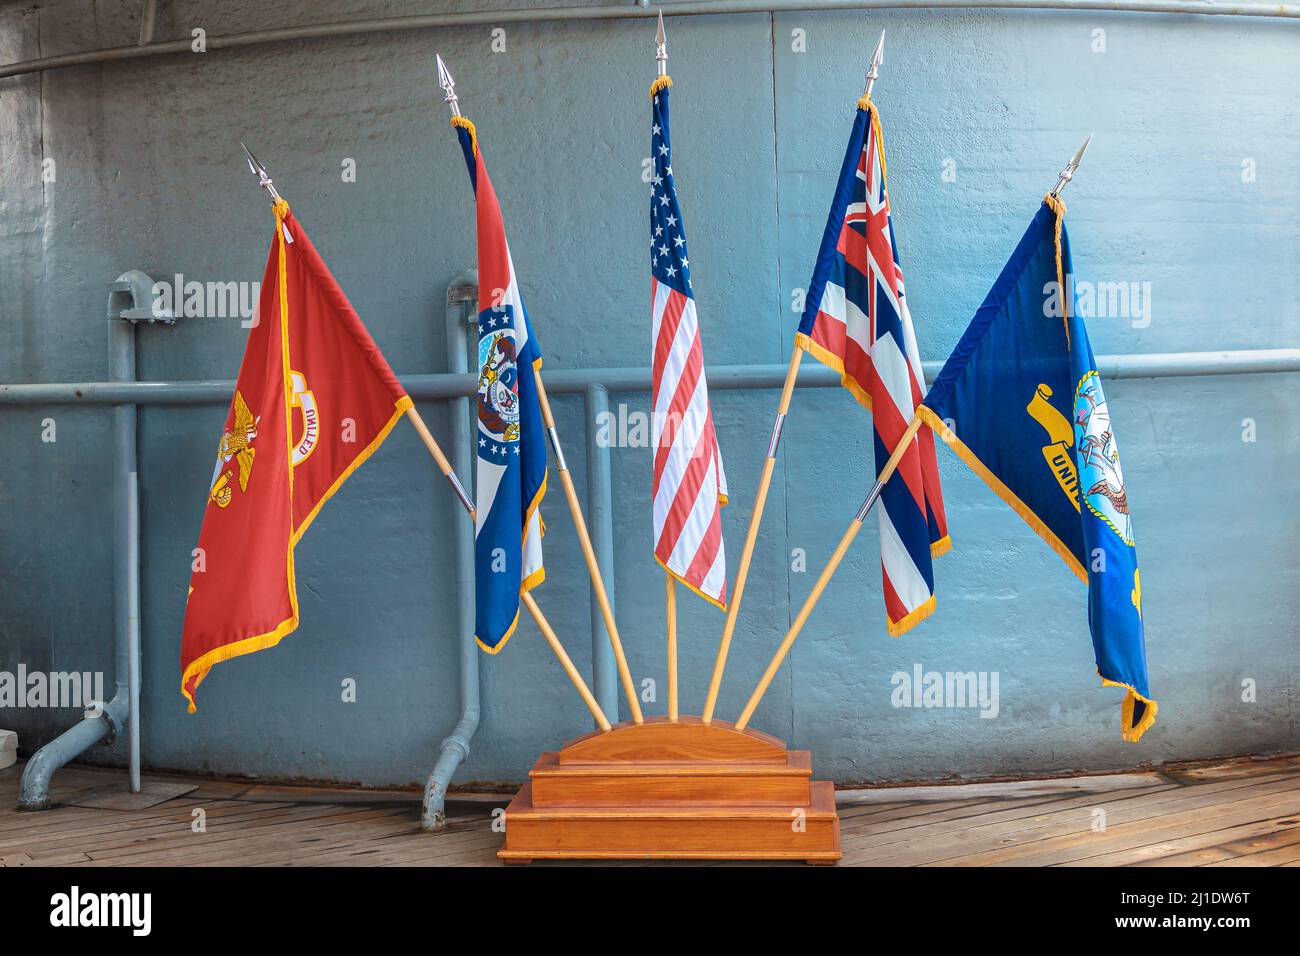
126 505
132 556
703 8
34 789
124 709
600 516
455 747
456 385
148 22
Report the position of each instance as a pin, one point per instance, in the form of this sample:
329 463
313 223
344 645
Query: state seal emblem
498 394
1101 476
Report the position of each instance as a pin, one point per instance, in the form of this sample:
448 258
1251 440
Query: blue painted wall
149 176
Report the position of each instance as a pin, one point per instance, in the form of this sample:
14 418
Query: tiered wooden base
684 790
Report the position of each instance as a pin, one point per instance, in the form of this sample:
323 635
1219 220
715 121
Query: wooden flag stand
678 788
664 787
673 790
674 787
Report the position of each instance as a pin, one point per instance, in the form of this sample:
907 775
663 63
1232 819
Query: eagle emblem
1106 495
235 453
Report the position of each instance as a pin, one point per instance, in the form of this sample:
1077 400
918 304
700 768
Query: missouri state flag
313 400
856 321
1021 402
511 480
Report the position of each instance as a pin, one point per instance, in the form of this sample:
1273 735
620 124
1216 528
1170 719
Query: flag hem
1130 733
225 652
950 439
510 631
721 605
903 625
833 361
402 405
534 579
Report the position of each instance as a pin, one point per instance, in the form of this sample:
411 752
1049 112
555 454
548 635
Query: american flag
690 487
856 321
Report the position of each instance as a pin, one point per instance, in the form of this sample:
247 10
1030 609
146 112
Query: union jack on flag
856 321
689 487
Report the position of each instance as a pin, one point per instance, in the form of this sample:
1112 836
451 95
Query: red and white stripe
876 344
690 486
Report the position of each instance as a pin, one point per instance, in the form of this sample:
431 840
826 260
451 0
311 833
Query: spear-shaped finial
448 86
661 46
264 180
263 177
877 58
1068 172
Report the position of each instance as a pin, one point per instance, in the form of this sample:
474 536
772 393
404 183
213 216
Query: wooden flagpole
828 572
873 73
526 599
751 536
671 617
588 552
444 465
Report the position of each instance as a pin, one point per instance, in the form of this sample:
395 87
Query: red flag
313 400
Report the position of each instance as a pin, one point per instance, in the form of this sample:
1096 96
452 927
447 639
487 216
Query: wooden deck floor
1245 813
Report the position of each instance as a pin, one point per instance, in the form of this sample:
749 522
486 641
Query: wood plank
98 822
1233 813
1001 817
1283 856
929 819
1013 825
1191 839
1154 825
336 795
1241 767
1272 849
219 820
176 846
430 845
1068 786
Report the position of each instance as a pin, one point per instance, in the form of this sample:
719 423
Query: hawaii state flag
313 400
856 321
511 479
1021 402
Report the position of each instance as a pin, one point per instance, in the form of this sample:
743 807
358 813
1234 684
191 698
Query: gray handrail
447 385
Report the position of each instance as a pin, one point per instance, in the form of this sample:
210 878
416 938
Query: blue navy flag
1027 412
511 479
